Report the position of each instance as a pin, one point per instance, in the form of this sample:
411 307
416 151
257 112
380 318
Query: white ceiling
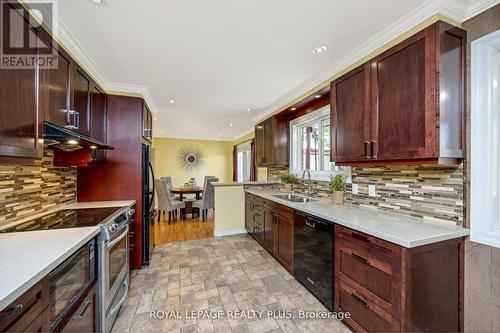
218 58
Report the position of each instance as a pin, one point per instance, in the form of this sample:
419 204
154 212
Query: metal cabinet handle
360 237
367 148
359 298
360 258
80 316
373 145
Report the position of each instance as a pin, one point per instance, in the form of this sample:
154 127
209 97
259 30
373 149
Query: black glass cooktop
66 218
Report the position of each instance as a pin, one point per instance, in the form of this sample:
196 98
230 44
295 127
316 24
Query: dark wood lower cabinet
22 315
387 288
271 225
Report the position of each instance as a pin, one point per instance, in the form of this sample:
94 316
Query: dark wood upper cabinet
404 100
19 119
20 122
54 92
271 142
416 110
350 116
98 120
80 87
147 123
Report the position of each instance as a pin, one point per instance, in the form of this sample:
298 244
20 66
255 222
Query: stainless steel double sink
294 198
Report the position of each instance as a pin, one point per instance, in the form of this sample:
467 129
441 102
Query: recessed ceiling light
317 96
154 118
172 101
319 50
218 135
293 109
72 142
249 109
231 125
93 147
98 2
161 131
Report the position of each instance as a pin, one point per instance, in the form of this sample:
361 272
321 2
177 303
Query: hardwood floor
181 230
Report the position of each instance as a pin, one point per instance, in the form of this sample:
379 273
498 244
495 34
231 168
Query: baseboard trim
230 232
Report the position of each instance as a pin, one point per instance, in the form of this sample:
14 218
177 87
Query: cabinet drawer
365 316
374 269
20 313
369 269
367 240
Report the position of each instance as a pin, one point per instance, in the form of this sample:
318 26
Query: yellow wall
229 210
217 160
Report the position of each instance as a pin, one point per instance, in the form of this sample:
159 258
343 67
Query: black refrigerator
148 207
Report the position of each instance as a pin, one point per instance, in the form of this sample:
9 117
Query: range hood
55 136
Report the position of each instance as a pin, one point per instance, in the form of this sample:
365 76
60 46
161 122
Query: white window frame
295 157
244 148
485 138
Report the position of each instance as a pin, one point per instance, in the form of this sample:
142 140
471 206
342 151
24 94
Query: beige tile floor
234 275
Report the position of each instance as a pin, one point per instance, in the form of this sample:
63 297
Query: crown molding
131 90
242 134
456 10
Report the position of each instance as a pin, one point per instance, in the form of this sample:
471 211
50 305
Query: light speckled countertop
26 257
242 183
399 229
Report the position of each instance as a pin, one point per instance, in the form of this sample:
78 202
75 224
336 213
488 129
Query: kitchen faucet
309 179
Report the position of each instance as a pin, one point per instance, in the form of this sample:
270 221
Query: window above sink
310 146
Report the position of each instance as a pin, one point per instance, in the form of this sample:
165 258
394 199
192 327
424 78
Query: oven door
69 280
116 265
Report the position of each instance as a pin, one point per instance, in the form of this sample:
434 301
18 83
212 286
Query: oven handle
117 307
125 233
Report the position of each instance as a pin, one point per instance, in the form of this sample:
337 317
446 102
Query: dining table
182 191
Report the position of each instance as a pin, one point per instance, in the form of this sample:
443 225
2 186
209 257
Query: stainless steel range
112 254
113 271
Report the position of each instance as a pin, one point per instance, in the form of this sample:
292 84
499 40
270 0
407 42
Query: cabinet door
98 120
283 246
19 116
55 90
404 106
84 319
19 122
269 142
260 140
81 101
268 234
350 116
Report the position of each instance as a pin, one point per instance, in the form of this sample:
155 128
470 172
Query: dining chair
205 183
165 201
170 187
207 202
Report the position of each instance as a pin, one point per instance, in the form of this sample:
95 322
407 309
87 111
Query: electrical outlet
371 191
355 189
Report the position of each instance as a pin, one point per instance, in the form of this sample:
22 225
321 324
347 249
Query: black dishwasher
313 256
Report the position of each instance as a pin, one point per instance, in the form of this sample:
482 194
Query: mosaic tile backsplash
428 192
34 189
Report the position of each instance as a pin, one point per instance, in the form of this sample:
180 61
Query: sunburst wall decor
189 158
